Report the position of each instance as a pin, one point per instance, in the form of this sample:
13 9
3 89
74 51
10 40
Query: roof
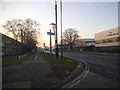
87 39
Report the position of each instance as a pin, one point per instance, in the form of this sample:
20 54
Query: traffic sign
50 33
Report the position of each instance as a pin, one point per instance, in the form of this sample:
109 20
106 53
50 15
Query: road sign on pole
50 33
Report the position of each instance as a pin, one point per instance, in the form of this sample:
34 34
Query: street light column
50 43
56 42
61 29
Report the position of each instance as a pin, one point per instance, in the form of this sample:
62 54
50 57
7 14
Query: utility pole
21 41
56 43
50 43
61 28
44 45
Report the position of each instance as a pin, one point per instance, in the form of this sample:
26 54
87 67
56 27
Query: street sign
50 33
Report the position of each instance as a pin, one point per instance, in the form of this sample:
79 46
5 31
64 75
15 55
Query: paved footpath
35 72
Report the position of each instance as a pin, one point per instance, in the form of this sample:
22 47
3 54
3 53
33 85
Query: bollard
19 57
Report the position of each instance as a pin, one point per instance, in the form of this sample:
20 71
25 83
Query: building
108 40
9 46
85 42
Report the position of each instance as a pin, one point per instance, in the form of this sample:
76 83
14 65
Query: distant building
108 40
85 42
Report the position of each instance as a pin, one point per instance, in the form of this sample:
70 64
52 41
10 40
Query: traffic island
65 70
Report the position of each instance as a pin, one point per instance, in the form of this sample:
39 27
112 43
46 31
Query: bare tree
70 36
25 31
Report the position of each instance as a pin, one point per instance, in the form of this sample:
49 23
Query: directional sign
50 33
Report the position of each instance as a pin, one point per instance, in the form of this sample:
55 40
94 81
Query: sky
86 17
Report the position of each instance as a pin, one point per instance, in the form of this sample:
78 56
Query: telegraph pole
61 28
50 43
44 45
56 42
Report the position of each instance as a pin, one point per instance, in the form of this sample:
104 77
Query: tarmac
36 72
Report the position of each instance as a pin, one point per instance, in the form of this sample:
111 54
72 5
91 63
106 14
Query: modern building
85 42
108 40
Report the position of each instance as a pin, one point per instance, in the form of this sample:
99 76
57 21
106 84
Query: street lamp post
56 42
50 43
61 28
55 31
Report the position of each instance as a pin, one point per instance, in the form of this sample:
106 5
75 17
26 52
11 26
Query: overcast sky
86 17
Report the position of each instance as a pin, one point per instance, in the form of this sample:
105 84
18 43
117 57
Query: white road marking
35 57
86 74
74 84
77 80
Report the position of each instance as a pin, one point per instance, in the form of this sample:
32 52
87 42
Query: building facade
85 42
108 40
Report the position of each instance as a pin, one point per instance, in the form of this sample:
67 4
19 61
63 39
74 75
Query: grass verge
62 67
12 62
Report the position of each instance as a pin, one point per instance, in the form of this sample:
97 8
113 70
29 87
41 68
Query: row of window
114 39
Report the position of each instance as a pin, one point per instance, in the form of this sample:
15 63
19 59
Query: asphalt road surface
103 70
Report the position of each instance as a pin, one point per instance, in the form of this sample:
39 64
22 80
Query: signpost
50 33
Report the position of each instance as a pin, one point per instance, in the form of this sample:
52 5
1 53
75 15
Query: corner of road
41 71
78 73
76 76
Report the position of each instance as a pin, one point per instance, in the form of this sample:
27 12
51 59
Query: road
35 72
103 70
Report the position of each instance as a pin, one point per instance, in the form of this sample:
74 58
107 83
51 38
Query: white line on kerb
35 57
86 74
77 80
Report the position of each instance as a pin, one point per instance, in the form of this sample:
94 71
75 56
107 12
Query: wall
10 46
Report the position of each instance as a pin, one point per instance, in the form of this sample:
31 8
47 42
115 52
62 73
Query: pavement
35 72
